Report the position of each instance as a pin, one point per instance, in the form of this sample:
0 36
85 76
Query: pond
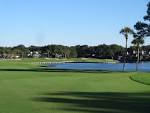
144 66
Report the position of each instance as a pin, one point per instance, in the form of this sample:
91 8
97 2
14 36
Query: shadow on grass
94 102
59 70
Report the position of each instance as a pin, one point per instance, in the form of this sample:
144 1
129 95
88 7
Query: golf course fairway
38 90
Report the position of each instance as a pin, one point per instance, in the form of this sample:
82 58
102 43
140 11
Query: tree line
102 51
61 51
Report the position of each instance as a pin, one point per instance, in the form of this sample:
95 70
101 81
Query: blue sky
67 22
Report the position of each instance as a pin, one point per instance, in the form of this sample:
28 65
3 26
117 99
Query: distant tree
73 52
116 50
49 50
20 50
126 31
138 41
82 50
106 52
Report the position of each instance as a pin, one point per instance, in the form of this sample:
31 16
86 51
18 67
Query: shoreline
73 62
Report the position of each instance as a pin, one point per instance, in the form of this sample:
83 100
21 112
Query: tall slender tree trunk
48 54
138 58
22 54
125 55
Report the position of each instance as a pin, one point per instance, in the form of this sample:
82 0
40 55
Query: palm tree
126 31
138 41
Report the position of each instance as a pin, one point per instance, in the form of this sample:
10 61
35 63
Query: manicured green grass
59 60
141 78
25 88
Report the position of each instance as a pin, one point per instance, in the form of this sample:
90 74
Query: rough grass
25 88
60 60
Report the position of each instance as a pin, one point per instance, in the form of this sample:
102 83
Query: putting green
141 78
